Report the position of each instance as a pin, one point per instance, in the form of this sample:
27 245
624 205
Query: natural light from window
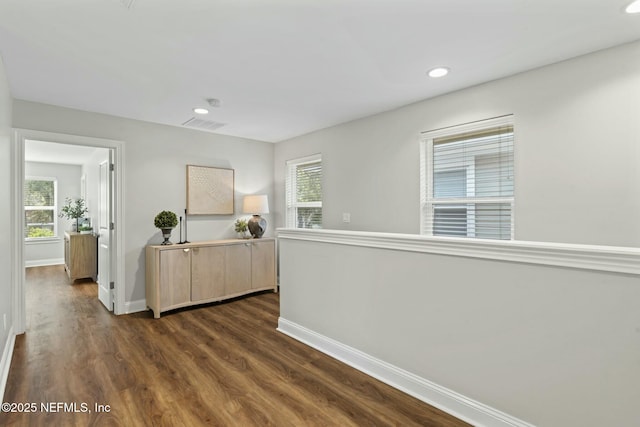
40 208
304 192
467 186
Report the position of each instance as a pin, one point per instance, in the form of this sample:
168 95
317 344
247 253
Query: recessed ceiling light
438 72
201 111
633 7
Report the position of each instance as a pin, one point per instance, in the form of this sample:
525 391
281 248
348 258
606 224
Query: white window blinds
304 192
467 180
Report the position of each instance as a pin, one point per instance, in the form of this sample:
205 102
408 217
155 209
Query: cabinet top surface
75 233
211 243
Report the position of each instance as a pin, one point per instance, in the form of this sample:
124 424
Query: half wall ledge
614 259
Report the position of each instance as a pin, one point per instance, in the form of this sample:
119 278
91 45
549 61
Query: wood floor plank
223 364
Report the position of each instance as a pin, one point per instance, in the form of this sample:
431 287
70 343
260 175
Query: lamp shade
255 204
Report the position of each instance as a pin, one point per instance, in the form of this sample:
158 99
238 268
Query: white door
105 220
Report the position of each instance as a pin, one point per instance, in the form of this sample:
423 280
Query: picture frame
210 190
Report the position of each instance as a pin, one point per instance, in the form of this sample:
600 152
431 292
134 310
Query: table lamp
256 204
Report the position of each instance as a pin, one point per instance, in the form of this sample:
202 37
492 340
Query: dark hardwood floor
220 365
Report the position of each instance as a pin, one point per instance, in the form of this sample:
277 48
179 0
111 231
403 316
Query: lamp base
257 225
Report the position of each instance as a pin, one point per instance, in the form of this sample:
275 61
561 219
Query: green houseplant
241 227
166 221
85 229
73 209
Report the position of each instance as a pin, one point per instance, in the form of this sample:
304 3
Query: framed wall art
209 190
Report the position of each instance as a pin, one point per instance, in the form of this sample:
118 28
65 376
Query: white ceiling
285 67
51 152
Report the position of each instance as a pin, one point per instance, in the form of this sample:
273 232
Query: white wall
6 215
68 176
548 345
577 153
155 174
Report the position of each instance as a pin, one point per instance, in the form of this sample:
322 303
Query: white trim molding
440 397
5 362
615 259
43 262
135 306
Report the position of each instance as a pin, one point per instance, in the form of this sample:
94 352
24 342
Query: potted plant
241 228
166 221
85 229
73 209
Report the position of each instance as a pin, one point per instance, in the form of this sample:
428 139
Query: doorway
105 182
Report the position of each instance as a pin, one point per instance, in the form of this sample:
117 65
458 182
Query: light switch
346 217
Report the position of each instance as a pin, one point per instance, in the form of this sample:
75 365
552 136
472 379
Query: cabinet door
238 268
207 272
263 264
83 255
175 277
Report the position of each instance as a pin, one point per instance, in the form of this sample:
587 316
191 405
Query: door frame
17 177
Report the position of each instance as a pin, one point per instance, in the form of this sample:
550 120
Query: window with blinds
304 192
467 180
40 208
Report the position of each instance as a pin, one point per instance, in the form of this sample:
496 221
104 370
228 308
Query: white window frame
53 208
427 200
291 211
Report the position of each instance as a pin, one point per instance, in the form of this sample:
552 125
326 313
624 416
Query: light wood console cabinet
80 256
201 272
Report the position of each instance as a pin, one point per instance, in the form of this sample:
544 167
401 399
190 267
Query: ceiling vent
203 124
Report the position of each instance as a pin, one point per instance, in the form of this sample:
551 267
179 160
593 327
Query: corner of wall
7 279
5 362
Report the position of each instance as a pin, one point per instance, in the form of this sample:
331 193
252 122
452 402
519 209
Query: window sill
42 240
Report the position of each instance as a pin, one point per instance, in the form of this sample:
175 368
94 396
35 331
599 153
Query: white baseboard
135 306
44 262
442 398
5 362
